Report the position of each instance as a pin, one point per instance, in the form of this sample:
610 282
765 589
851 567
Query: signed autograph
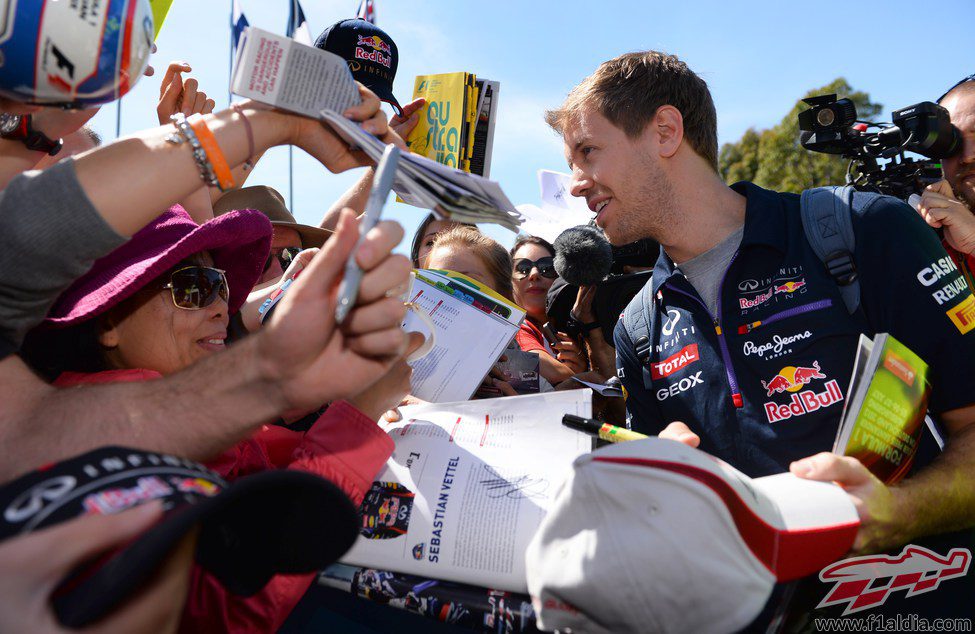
515 487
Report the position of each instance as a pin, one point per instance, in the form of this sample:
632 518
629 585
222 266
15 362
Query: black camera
830 126
584 257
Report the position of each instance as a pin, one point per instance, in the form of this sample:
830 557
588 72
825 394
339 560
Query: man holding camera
749 347
950 204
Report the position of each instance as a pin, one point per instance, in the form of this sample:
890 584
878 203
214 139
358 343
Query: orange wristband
214 154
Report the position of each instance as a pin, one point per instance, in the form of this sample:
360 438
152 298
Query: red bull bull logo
374 41
197 485
915 570
789 287
793 379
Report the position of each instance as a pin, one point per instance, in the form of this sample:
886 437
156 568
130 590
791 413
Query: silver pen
381 185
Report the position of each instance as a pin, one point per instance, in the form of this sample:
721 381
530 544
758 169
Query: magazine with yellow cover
439 133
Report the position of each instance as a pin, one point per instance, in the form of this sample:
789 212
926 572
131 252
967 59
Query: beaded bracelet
184 134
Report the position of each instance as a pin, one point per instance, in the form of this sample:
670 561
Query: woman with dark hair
532 274
160 302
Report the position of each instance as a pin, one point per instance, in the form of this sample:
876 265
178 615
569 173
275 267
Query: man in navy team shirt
751 347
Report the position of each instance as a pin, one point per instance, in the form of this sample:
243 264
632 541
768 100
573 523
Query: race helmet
79 54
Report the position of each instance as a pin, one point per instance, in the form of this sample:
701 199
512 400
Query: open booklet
283 73
473 324
467 486
883 418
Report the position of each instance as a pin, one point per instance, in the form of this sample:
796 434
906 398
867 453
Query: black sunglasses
957 84
546 267
196 287
285 257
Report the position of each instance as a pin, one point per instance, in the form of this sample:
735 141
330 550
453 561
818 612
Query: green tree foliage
774 159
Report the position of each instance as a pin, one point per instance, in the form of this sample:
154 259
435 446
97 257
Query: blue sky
757 57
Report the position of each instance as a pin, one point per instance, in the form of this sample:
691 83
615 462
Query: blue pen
382 183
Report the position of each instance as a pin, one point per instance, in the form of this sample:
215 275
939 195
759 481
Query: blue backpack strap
636 321
827 221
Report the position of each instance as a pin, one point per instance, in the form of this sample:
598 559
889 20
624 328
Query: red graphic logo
790 287
791 379
380 53
758 300
675 362
915 569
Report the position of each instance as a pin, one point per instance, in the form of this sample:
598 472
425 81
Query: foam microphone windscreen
583 255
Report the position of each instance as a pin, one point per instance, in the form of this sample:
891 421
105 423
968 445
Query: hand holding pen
381 186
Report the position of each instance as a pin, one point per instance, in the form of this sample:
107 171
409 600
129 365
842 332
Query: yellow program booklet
439 134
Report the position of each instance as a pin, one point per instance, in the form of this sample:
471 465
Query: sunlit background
757 57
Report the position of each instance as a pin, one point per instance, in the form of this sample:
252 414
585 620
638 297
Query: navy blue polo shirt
765 383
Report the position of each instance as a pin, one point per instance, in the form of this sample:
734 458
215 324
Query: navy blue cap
370 52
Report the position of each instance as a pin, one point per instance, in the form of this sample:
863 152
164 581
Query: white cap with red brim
655 536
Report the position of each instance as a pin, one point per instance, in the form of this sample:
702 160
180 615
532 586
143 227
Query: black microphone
583 255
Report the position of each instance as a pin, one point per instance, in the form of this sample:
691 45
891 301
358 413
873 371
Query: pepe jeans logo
774 348
916 570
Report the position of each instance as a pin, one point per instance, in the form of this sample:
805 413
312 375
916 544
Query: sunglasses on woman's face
285 256
196 287
546 267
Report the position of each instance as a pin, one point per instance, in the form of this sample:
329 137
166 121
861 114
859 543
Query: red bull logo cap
655 536
370 52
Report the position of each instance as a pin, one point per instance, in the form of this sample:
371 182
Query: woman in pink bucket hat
157 304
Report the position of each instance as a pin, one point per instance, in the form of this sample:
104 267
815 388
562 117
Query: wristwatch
585 329
15 127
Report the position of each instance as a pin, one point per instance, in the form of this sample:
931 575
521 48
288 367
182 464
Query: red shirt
530 339
343 446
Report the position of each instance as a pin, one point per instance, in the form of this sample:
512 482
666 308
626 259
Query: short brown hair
494 256
629 89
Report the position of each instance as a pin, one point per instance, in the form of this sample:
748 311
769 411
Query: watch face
9 122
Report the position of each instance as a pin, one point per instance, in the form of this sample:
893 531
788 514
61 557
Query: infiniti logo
30 502
747 285
672 318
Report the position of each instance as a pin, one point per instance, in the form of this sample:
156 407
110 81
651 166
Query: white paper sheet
468 485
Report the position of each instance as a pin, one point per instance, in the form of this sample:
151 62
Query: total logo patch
963 315
792 380
677 361
681 386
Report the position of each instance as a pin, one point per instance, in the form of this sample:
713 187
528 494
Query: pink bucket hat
239 242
